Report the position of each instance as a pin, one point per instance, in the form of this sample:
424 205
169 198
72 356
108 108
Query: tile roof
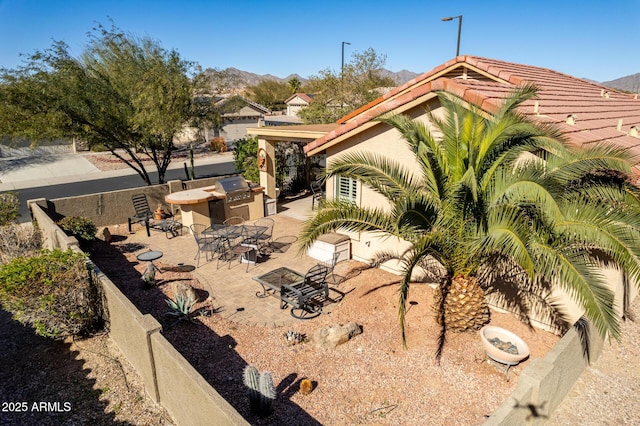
307 97
599 113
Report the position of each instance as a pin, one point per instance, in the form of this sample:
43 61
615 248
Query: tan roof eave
278 134
447 70
371 123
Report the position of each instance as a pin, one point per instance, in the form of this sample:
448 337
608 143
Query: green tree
294 84
497 193
270 93
339 93
127 94
207 110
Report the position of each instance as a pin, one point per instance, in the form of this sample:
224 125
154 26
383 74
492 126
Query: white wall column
268 176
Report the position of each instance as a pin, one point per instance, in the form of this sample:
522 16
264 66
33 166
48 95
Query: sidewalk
37 171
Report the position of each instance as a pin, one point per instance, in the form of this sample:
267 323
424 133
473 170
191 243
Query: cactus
193 167
260 390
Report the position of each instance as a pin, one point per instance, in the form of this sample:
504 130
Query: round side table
149 275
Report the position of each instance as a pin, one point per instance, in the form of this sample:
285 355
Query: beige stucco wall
383 141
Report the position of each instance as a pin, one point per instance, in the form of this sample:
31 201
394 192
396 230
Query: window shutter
346 189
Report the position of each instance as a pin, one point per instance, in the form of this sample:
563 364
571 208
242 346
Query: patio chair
318 194
239 248
143 214
207 244
330 264
306 298
266 238
234 220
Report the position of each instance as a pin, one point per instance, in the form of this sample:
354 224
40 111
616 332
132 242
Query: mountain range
246 78
629 83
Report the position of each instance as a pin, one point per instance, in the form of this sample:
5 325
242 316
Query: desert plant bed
371 379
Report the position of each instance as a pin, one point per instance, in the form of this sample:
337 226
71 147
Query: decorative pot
502 345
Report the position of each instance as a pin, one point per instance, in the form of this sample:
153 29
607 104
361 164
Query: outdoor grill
234 197
234 188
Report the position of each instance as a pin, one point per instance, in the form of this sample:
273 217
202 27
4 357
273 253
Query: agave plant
496 191
180 308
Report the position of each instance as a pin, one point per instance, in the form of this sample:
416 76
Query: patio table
149 275
230 232
273 281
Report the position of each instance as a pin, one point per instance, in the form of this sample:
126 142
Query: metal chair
318 194
306 299
239 248
143 214
266 238
206 243
234 220
330 264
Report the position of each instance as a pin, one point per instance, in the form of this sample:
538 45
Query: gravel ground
72 382
608 392
371 379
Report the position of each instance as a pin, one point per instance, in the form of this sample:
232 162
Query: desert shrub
218 145
245 158
19 240
80 227
53 293
9 205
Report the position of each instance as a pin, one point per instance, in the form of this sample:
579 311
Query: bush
19 240
218 145
9 205
80 227
53 293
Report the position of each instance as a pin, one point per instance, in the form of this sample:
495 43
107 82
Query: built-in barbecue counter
227 197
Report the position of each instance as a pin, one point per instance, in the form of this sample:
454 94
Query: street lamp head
346 42
459 18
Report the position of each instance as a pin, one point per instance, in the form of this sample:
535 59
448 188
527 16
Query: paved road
77 186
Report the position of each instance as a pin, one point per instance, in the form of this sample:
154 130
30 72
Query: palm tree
496 192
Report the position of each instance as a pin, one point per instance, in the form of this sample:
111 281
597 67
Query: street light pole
342 73
459 18
342 67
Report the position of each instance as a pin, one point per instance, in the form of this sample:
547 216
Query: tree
270 93
206 112
497 193
294 84
339 93
127 94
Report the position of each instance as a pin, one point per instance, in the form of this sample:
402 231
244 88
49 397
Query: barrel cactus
261 391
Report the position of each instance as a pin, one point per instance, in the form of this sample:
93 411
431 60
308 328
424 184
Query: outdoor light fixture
343 43
459 18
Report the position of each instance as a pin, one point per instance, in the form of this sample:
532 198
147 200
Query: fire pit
503 346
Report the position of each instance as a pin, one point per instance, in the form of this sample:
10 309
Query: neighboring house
235 124
296 102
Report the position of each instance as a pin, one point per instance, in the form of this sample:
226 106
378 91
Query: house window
346 189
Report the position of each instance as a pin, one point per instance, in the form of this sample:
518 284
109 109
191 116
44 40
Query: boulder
185 289
331 336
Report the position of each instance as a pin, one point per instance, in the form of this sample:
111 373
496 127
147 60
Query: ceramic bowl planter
503 346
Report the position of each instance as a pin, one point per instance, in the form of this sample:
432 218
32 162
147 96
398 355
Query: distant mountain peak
246 78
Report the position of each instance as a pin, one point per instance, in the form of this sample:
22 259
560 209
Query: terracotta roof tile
597 109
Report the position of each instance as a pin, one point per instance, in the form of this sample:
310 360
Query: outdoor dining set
233 240
246 242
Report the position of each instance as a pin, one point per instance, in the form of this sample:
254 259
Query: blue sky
591 39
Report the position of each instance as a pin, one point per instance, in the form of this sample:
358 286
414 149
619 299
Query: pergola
267 139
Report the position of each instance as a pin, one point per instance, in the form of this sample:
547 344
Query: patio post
268 172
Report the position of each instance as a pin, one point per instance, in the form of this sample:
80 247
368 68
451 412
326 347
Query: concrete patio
233 289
